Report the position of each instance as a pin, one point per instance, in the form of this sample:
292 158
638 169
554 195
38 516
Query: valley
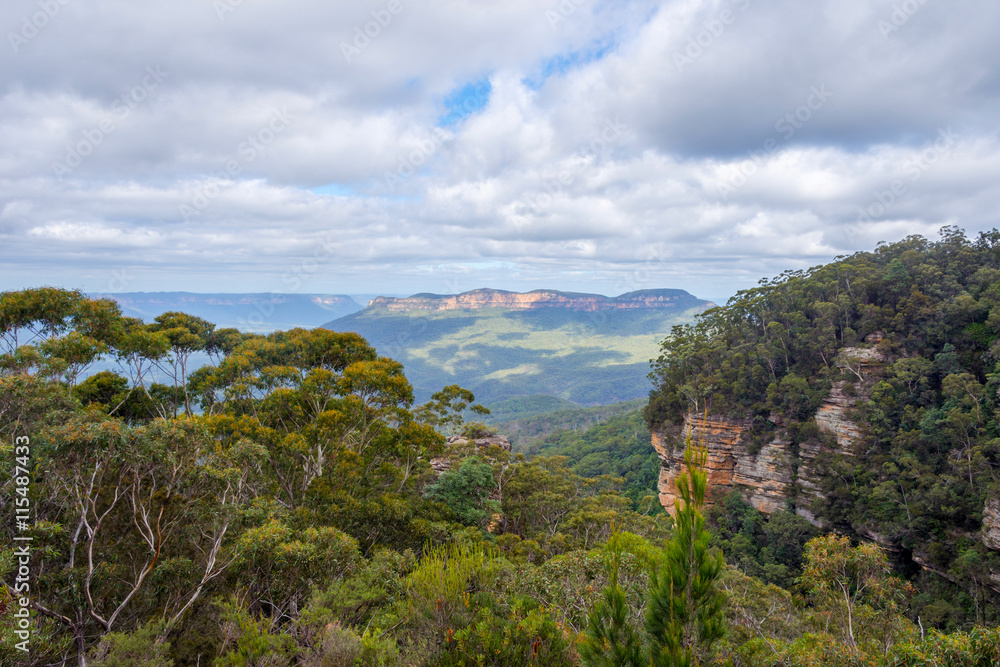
587 349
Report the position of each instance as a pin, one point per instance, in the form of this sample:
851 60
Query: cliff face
489 298
766 475
774 476
832 417
991 524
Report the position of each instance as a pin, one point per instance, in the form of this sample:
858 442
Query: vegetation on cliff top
927 402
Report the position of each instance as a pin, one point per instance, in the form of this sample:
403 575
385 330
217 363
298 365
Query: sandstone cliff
772 476
665 299
765 476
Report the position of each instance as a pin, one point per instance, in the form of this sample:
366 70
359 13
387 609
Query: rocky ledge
991 524
457 443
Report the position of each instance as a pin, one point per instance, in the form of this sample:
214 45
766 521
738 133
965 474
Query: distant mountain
668 299
246 312
588 349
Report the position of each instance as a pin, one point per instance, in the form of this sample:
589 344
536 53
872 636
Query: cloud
398 146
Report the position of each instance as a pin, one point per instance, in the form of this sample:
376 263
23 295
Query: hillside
259 313
521 421
861 395
588 349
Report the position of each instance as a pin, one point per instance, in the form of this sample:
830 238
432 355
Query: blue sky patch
567 62
335 190
467 100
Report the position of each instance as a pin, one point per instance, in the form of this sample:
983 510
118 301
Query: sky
400 146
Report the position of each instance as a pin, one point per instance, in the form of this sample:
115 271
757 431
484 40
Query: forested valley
290 504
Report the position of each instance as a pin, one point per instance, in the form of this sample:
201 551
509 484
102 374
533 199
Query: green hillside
587 358
923 477
529 425
524 407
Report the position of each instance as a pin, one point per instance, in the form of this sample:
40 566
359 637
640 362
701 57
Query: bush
139 649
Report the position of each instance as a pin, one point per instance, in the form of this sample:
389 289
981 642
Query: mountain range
588 349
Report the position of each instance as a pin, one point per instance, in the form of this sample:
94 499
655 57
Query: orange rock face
765 476
832 417
489 298
770 479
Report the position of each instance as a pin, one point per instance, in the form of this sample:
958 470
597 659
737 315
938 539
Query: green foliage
251 642
855 586
769 548
466 492
972 649
138 649
610 639
526 635
619 447
446 409
685 605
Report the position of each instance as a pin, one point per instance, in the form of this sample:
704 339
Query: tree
446 408
187 334
855 585
610 640
684 616
467 492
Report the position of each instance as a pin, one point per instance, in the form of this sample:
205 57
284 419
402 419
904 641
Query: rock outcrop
991 524
764 476
771 476
663 299
832 417
457 445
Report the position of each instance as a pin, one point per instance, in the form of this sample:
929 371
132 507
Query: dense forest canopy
923 319
289 504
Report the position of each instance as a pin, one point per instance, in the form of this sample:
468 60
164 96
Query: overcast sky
399 146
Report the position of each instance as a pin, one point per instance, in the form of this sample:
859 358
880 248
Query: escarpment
775 474
765 475
663 299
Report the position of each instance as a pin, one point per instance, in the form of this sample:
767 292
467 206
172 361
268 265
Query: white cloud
591 172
